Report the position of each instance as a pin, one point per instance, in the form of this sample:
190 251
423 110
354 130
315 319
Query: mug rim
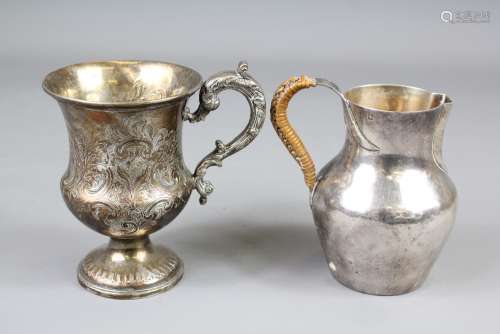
190 91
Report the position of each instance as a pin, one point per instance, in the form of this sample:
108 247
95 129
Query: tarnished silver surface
383 214
126 176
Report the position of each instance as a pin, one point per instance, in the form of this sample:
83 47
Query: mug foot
129 269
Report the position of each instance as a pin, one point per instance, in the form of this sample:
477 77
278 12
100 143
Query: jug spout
444 100
448 103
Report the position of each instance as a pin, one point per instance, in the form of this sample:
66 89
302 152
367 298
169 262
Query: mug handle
243 83
287 134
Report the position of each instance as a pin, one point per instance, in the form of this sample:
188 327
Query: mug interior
122 82
395 98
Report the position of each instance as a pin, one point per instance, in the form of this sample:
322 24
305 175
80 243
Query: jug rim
193 84
444 98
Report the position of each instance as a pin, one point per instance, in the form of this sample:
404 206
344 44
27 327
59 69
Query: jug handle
287 134
245 84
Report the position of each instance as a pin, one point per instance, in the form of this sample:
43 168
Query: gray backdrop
252 260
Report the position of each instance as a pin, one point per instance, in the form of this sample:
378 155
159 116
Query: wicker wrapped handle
287 134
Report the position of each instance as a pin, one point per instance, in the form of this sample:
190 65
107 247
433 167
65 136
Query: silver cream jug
384 206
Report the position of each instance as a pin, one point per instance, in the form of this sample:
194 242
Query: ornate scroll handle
287 134
242 82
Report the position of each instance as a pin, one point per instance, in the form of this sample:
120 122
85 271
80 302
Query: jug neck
415 134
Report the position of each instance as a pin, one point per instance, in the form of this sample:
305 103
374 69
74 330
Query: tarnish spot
99 117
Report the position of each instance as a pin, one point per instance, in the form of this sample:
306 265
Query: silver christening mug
384 206
126 176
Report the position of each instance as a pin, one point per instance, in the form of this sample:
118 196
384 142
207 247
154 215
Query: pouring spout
448 104
444 100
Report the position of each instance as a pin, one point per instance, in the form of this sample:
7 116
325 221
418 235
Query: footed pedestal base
127 269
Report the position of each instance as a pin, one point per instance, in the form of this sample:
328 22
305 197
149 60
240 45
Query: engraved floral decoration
116 177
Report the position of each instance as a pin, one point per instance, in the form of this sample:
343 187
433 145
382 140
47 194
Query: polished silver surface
383 214
126 176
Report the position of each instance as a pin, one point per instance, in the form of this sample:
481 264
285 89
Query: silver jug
384 206
126 176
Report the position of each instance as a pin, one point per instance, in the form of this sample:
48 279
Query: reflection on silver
417 193
358 195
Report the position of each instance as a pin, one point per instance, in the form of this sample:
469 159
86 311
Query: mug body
126 176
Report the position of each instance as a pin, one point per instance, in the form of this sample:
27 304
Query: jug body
384 206
382 216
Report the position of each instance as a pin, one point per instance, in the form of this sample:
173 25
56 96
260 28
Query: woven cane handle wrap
287 134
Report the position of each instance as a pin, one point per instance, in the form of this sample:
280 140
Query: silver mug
126 176
384 206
